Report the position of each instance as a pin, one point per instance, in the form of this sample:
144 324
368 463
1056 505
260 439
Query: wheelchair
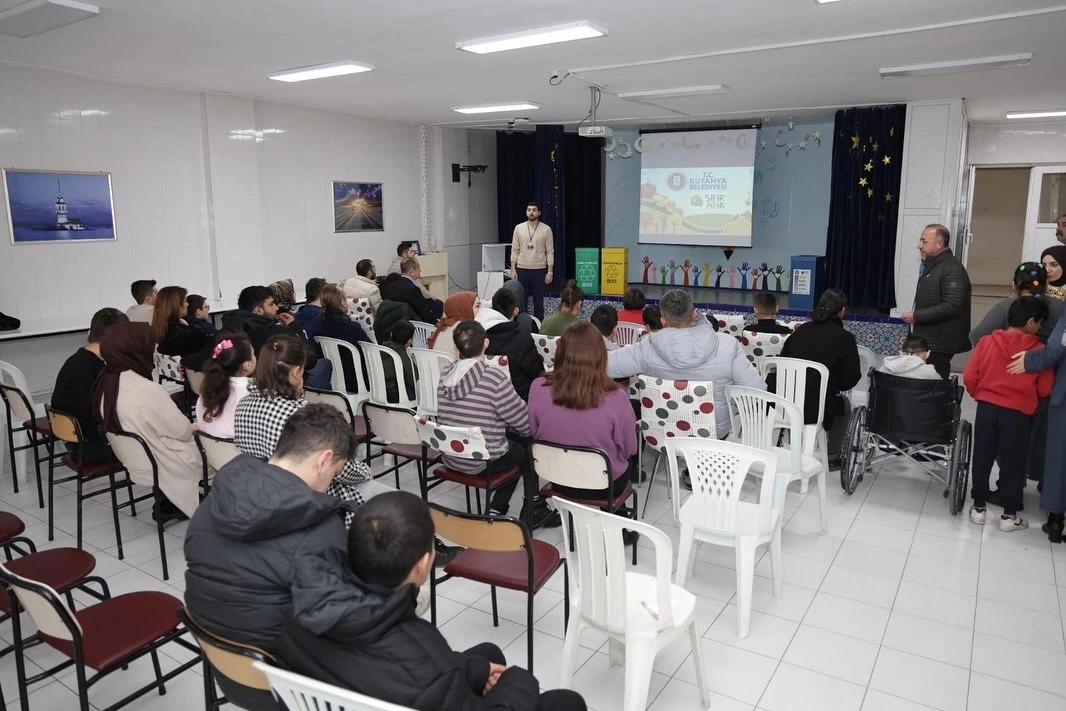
918 419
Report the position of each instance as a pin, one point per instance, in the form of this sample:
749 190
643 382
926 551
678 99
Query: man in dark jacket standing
941 312
268 539
382 649
406 287
507 339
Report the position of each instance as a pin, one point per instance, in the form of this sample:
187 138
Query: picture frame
357 207
56 207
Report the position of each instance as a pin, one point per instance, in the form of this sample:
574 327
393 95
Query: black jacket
381 648
261 329
397 287
767 325
337 324
523 359
942 304
825 342
262 545
181 339
390 313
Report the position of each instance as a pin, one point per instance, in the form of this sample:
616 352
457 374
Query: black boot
1054 527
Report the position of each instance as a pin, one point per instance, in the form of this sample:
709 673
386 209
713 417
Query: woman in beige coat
127 399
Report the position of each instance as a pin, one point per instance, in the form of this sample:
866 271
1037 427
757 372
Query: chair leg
433 598
210 699
162 544
50 448
640 656
20 659
11 452
697 659
51 499
80 496
571 647
495 613
114 511
566 597
616 651
775 560
529 629
823 513
684 554
83 687
158 673
745 553
129 492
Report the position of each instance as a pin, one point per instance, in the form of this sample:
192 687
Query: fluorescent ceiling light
582 29
823 2
493 108
960 65
1036 114
321 71
675 92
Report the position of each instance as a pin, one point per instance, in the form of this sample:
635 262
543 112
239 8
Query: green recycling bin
587 269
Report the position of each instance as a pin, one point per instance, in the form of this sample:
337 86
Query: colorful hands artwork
648 265
673 272
745 276
696 271
755 274
662 274
744 268
706 272
778 271
765 268
732 271
685 266
719 271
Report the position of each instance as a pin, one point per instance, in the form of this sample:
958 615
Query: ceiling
230 46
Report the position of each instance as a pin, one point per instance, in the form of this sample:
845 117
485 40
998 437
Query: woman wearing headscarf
1054 261
125 398
458 307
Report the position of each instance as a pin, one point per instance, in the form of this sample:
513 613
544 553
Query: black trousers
555 700
1000 433
532 281
941 361
515 457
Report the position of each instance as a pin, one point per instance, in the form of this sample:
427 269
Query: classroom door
1047 201
997 228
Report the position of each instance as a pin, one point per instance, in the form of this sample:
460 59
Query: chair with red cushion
19 408
104 637
11 528
582 468
67 429
393 428
499 552
343 404
464 443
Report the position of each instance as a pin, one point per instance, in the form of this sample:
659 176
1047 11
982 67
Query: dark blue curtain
514 180
585 160
864 204
549 189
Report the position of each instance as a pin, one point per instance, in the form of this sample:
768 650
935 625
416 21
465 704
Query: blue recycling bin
807 282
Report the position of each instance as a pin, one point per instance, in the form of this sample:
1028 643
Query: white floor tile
925 681
731 672
1010 590
876 534
880 701
848 617
936 604
990 694
810 544
681 696
472 627
871 559
796 570
768 635
859 585
928 638
949 550
1023 626
905 518
832 654
796 689
938 574
602 685
1019 663
1025 566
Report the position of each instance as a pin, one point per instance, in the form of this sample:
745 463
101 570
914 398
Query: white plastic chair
536 321
301 693
791 384
641 614
20 409
331 349
422 331
860 394
627 333
361 312
761 346
756 425
499 361
733 324
375 369
428 366
715 514
169 368
546 346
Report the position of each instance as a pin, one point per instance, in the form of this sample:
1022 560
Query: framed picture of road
49 207
357 207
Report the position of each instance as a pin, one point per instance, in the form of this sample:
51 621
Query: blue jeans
532 281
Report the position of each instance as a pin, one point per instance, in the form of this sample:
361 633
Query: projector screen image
695 187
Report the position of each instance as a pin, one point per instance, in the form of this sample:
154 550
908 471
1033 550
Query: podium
435 273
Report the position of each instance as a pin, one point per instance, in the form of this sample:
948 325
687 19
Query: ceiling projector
595 131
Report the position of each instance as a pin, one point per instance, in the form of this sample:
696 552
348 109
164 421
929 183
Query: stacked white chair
428 366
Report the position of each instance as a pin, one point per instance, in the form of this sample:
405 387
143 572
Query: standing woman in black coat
824 340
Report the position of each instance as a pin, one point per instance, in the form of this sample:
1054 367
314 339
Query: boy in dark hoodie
382 649
1005 404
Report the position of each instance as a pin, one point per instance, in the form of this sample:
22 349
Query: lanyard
529 245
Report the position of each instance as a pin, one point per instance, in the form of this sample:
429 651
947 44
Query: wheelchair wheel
854 460
959 468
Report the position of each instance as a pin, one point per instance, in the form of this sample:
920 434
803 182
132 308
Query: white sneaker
1013 524
977 516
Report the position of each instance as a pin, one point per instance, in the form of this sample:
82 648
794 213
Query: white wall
1018 143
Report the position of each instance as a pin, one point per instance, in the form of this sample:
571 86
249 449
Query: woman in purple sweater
578 405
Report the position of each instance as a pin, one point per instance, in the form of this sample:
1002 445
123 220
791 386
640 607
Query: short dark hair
403 247
765 302
408 265
389 534
532 203
313 288
913 345
402 332
102 320
314 428
676 307
363 266
195 302
275 361
469 338
941 232
505 302
604 318
142 289
1024 308
634 299
252 296
652 318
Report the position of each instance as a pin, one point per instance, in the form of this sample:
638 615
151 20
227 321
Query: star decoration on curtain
863 182
888 197
855 140
876 146
869 192
869 166
887 160
817 136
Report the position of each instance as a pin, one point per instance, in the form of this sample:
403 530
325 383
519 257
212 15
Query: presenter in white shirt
533 256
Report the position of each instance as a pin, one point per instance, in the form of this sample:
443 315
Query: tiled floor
900 606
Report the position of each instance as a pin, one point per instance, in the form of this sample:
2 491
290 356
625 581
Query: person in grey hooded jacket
687 348
268 540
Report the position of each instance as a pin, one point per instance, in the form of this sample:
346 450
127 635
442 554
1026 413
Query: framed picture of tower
46 207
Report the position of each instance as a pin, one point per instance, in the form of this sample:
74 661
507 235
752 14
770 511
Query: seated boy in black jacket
382 649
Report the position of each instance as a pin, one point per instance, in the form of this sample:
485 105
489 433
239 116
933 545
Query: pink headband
222 346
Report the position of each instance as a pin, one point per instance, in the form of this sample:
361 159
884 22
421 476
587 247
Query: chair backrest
333 398
422 331
362 313
196 380
375 368
499 361
576 467
675 408
718 470
428 366
867 360
461 442
227 658
393 424
16 392
331 348
546 346
757 416
134 453
496 534
301 693
627 333
733 324
795 324
760 346
169 368
535 320
46 607
790 381
64 427
217 450
600 559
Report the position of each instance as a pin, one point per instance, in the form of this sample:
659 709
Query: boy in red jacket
1005 403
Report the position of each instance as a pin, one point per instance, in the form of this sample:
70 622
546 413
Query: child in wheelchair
910 363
